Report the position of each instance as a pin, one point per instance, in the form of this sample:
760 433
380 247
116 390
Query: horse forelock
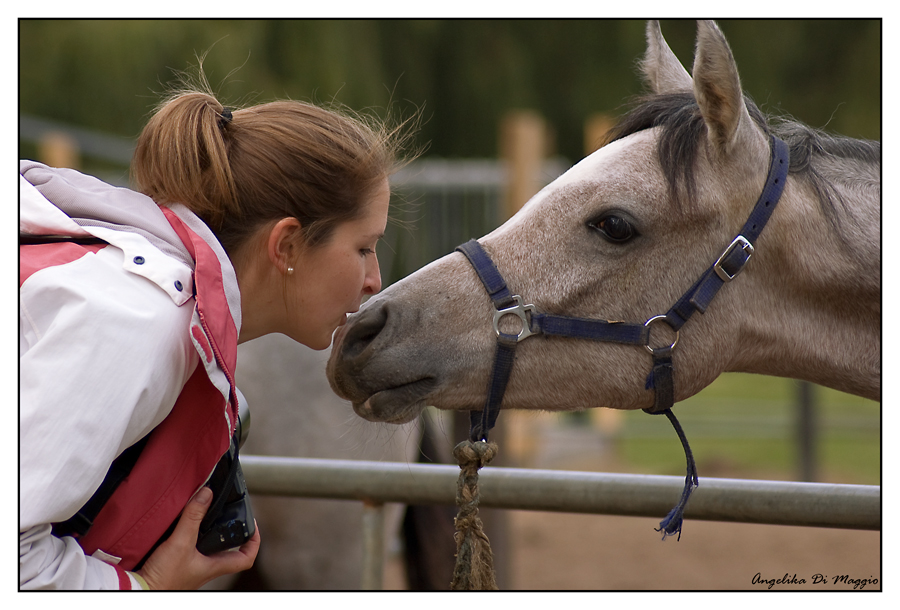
681 132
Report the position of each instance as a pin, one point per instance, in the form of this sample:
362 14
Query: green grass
745 426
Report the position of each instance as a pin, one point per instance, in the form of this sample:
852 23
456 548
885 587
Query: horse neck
818 282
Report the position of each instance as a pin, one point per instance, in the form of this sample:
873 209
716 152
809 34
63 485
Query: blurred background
494 96
463 74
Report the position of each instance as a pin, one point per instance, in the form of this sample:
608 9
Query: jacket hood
93 204
90 202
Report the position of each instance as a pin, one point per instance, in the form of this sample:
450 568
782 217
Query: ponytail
243 169
182 157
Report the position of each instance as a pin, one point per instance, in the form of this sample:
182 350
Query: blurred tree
464 74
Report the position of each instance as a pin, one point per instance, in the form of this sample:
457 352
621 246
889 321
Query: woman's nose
372 284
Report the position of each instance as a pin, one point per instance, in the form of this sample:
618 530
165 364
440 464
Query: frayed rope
474 570
671 525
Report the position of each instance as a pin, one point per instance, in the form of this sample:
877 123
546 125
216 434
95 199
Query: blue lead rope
671 525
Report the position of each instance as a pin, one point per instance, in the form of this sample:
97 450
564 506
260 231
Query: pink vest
182 451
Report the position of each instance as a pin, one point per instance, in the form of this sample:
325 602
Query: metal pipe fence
744 501
376 483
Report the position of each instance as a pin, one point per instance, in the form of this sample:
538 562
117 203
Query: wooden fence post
523 146
595 129
609 421
57 149
373 547
807 432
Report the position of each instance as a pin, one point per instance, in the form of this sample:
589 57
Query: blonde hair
241 169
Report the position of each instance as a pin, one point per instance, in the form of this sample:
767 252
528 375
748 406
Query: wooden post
523 145
57 149
595 129
806 431
609 421
373 546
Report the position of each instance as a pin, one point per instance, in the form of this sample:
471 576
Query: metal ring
517 310
666 320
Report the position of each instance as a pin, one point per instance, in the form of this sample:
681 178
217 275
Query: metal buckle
519 310
660 319
739 241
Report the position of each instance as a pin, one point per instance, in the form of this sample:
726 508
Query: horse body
620 237
308 543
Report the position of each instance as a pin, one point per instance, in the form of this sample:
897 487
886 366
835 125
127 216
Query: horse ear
717 87
663 72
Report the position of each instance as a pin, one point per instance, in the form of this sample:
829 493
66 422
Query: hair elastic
225 117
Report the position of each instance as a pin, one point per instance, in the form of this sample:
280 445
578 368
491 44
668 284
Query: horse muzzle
382 389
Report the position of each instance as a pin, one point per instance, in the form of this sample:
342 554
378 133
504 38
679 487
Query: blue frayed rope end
672 523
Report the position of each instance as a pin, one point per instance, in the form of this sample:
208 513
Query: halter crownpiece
661 378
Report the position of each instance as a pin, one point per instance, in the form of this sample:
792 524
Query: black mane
683 129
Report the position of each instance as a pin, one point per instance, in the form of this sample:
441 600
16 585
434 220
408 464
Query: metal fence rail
375 483
109 148
744 501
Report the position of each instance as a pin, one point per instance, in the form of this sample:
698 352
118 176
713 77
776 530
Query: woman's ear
285 239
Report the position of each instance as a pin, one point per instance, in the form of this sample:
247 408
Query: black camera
229 521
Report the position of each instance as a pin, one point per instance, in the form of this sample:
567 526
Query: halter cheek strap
533 323
504 303
729 264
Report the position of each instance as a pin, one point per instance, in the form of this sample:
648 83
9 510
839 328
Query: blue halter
661 378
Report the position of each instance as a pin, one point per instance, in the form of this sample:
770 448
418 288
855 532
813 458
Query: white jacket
105 350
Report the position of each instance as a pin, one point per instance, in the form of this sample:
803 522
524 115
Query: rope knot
474 569
472 456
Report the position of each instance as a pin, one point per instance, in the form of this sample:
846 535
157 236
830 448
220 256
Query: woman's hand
177 564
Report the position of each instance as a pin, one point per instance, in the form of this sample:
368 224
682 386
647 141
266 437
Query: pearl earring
290 270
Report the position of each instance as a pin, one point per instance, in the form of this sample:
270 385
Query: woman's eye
615 229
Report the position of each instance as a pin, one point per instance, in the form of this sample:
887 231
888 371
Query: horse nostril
363 330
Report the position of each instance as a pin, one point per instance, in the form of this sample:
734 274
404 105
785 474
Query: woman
247 222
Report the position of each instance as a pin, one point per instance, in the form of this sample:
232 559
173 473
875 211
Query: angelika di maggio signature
816 579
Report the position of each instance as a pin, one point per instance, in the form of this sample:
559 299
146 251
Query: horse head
620 237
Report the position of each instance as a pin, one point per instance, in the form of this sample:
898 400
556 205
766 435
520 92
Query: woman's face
330 280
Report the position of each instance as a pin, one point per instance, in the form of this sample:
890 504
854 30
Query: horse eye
615 228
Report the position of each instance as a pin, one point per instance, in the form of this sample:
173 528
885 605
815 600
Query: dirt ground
561 551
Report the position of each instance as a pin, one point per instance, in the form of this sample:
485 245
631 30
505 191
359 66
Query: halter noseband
661 379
